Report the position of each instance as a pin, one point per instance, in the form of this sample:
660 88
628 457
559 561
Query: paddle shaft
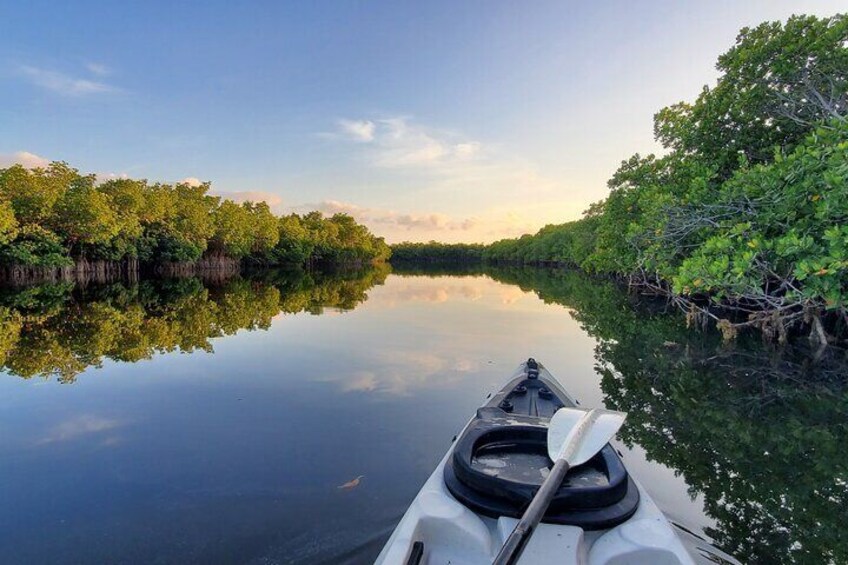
517 540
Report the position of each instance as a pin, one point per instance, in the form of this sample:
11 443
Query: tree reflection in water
59 330
758 431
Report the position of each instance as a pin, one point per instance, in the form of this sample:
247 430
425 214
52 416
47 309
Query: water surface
184 421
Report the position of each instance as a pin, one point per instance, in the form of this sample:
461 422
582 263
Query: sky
453 121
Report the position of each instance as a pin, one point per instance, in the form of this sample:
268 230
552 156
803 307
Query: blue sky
456 121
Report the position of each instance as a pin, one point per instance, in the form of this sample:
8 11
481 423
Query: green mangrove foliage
340 240
435 252
758 431
55 216
58 330
748 208
567 244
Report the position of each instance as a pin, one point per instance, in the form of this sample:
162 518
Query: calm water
189 422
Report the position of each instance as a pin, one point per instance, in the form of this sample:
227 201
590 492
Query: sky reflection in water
237 455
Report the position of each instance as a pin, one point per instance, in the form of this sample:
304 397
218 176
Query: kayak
475 497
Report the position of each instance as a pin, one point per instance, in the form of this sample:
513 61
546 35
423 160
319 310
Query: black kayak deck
500 460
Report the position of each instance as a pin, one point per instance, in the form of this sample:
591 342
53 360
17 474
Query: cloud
404 371
33 161
466 150
511 295
98 69
358 130
103 177
361 381
273 200
422 226
412 291
403 144
469 224
383 217
63 84
483 182
191 181
427 362
75 428
25 158
400 143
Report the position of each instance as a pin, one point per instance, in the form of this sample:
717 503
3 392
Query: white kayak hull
439 529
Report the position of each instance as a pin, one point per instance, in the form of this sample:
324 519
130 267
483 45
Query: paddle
574 437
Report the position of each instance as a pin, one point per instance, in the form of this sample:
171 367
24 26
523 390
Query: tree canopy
746 210
53 216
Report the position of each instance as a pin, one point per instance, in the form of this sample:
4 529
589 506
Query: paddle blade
576 435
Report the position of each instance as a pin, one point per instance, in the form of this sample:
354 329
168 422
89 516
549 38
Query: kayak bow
471 503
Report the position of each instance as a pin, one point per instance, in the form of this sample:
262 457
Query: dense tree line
435 252
569 244
54 216
748 207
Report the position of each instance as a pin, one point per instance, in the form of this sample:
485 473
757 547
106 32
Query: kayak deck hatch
500 460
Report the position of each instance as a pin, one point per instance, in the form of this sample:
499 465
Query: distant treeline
747 209
435 252
53 217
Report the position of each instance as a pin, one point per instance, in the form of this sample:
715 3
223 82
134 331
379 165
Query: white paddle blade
576 435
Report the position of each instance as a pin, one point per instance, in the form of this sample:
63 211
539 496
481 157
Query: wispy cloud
107 176
385 217
98 69
78 427
398 142
445 161
358 130
417 226
466 150
403 372
411 291
404 144
191 181
25 158
33 161
361 381
274 201
64 84
459 172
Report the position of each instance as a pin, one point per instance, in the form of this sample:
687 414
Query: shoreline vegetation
59 224
742 221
